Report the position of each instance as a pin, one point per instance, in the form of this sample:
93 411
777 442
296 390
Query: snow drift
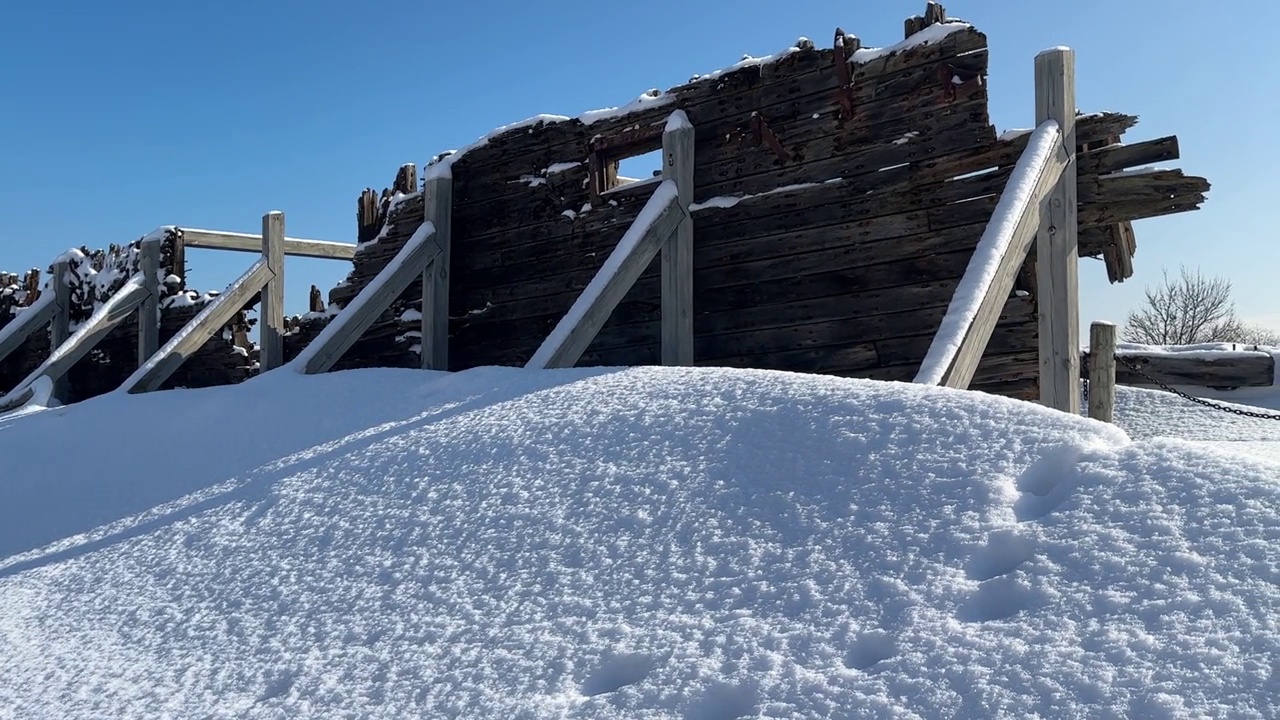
643 543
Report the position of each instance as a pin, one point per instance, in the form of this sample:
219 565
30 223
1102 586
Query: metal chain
1199 401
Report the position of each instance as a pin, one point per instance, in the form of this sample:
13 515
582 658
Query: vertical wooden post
677 252
438 210
60 326
1102 371
271 312
1056 243
149 311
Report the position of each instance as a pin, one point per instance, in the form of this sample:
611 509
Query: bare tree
1189 309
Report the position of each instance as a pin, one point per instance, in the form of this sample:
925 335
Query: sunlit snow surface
647 543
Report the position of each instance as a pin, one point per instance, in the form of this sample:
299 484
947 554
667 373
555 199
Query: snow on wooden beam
416 257
160 366
660 218
249 242
989 278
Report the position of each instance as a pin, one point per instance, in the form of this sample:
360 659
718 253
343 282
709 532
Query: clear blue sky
121 118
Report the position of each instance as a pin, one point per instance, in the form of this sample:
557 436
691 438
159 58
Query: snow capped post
677 252
1102 371
1056 242
149 312
271 344
437 207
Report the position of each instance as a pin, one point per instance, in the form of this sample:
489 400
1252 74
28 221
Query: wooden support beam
60 324
149 312
660 218
343 331
1056 245
25 323
677 252
962 338
438 211
271 311
160 366
249 242
1102 371
114 311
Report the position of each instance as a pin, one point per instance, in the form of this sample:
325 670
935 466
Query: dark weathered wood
1114 158
579 326
1175 369
347 327
1098 214
955 368
742 91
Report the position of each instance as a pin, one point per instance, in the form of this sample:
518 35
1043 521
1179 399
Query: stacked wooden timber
839 194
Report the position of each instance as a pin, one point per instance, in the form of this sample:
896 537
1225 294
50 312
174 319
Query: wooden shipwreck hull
839 195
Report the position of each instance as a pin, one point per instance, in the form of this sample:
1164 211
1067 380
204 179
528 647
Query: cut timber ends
1102 371
660 218
342 332
1057 244
194 334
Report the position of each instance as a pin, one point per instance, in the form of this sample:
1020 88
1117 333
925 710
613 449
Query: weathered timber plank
807 94
747 89
1232 372
1057 253
1096 214
436 279
248 242
739 286
1114 158
1139 187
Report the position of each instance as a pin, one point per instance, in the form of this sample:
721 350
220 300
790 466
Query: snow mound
646 543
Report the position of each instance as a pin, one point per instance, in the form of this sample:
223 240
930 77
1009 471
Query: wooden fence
829 203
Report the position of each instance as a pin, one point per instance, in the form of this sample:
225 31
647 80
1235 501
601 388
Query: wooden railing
664 225
1038 204
426 254
140 292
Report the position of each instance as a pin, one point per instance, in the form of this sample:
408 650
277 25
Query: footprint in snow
618 672
996 599
1004 552
724 701
871 647
1048 483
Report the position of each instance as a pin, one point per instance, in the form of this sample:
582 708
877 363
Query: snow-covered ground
644 543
